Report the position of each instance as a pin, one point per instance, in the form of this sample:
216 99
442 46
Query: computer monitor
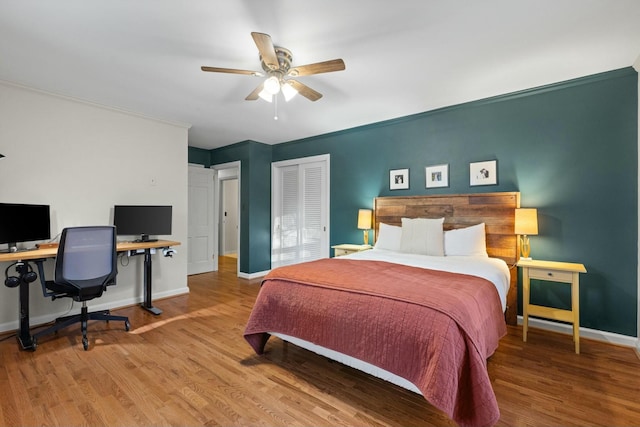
143 221
23 223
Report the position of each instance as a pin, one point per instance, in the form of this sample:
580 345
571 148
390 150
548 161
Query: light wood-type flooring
190 366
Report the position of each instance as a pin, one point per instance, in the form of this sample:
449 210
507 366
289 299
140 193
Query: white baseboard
252 275
594 334
75 309
171 293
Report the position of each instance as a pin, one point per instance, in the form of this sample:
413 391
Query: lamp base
525 247
366 236
525 258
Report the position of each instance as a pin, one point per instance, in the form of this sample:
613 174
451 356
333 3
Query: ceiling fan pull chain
275 107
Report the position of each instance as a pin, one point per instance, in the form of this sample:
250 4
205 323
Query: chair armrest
43 282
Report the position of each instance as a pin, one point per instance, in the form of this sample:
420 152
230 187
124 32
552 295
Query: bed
425 316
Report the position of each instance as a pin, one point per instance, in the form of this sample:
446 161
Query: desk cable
123 256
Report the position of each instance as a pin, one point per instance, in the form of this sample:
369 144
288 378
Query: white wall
82 159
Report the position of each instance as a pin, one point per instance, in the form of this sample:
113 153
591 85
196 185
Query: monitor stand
12 248
144 238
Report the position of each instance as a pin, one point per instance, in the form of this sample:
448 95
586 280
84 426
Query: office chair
85 265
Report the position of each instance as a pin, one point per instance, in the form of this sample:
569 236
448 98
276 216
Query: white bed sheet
492 269
358 364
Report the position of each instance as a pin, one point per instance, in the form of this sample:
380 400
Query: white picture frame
398 179
483 173
437 176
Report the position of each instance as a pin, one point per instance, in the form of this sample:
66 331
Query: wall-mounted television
23 223
143 221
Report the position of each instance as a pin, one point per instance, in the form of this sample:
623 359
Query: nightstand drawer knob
550 274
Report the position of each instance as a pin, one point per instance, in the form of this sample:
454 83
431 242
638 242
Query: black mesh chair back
86 264
86 260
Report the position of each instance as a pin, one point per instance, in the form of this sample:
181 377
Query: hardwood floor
191 366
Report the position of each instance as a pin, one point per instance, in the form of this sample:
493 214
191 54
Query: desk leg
147 305
24 335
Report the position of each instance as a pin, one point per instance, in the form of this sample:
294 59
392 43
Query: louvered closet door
300 212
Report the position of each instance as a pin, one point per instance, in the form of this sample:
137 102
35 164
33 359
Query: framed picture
483 173
437 176
399 179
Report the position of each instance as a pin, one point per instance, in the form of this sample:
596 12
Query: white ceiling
402 57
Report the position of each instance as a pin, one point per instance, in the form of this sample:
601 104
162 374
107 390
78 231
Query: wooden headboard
496 210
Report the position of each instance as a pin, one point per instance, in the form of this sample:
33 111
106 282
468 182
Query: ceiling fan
276 63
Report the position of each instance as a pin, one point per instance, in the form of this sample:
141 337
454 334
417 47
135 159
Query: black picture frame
398 179
483 173
437 176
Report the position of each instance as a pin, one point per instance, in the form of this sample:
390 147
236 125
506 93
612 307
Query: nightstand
563 272
346 249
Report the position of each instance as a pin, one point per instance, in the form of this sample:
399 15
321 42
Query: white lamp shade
288 91
526 221
264 94
364 219
272 85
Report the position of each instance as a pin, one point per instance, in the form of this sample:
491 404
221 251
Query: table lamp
526 225
364 223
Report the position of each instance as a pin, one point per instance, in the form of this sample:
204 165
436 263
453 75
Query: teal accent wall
199 156
255 201
570 148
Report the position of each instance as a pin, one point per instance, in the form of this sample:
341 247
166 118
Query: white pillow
389 237
469 241
422 236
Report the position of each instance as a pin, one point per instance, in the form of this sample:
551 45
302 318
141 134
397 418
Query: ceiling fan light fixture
276 65
272 85
288 91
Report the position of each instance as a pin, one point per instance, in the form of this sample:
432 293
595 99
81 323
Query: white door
300 210
200 249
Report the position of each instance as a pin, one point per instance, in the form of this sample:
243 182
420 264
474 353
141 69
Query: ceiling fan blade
255 94
266 49
230 70
317 68
305 90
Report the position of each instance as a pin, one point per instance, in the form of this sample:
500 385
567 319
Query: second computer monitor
142 221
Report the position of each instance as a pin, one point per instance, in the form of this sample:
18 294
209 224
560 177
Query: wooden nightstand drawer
340 252
346 249
552 275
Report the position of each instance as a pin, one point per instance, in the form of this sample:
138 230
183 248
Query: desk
39 255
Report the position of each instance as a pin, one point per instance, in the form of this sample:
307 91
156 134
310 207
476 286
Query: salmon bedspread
434 328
